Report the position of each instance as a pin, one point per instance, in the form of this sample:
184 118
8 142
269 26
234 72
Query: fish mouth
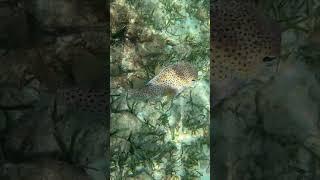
270 61
269 58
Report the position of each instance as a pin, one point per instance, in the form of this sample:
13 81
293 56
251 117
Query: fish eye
268 59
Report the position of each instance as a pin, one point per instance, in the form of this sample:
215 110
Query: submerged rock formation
45 46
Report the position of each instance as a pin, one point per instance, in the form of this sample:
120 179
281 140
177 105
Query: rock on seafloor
42 169
267 128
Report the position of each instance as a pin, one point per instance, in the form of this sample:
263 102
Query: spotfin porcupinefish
171 81
243 45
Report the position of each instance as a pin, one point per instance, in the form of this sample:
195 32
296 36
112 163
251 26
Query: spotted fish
87 100
243 45
171 80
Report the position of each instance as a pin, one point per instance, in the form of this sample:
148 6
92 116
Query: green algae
169 137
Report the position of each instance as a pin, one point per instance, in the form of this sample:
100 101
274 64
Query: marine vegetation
160 89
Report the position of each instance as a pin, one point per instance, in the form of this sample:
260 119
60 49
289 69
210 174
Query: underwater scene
159 69
265 88
53 91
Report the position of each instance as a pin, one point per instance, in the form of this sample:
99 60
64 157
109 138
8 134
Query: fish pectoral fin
170 93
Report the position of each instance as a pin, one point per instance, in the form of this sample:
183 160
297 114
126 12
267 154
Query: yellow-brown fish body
242 40
171 80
